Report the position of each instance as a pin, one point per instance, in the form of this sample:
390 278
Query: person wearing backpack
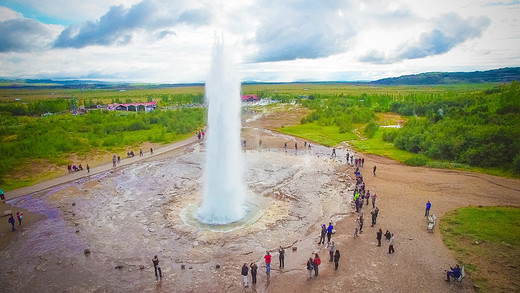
310 266
317 262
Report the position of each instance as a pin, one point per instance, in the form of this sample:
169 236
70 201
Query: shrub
416 161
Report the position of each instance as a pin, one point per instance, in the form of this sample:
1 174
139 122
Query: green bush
370 129
416 161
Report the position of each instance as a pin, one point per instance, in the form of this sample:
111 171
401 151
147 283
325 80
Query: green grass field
325 135
487 241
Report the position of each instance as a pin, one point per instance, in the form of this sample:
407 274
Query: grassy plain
487 241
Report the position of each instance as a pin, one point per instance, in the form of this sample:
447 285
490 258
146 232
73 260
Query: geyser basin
252 213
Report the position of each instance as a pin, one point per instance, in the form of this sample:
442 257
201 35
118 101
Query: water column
224 189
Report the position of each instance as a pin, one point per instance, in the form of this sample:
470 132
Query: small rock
217 266
141 267
476 242
294 248
183 267
119 267
190 267
77 231
86 251
73 204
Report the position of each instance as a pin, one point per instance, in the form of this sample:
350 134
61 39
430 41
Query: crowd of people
73 168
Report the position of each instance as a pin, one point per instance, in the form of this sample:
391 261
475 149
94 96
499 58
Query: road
95 170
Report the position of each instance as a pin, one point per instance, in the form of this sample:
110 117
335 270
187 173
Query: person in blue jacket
329 232
428 206
454 273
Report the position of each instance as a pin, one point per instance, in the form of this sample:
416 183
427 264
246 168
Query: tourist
157 269
428 206
118 159
267 262
316 264
285 146
11 221
379 235
377 214
391 245
374 197
323 233
361 222
362 162
88 168
281 256
296 146
329 232
356 229
69 168
367 195
19 217
331 251
388 235
333 153
151 151
254 268
348 157
336 259
454 273
374 171
140 152
114 161
245 270
310 266
80 167
373 213
2 196
260 143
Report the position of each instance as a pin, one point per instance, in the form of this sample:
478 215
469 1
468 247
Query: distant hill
504 75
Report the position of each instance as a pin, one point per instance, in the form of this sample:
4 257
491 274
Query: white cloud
158 41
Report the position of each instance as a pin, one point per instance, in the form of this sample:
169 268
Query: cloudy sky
290 40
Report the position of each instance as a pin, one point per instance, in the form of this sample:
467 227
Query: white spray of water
224 190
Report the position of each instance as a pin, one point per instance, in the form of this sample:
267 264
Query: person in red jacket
267 257
317 262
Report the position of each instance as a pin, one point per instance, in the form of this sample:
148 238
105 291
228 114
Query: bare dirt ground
420 259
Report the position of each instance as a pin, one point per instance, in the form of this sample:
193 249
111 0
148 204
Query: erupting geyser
224 190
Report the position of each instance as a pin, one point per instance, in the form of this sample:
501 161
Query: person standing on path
361 222
11 221
331 251
329 232
356 229
151 151
114 160
19 216
374 171
323 233
391 244
245 271
374 197
281 256
379 236
428 206
310 266
267 257
373 213
316 263
254 268
88 168
157 269
336 259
